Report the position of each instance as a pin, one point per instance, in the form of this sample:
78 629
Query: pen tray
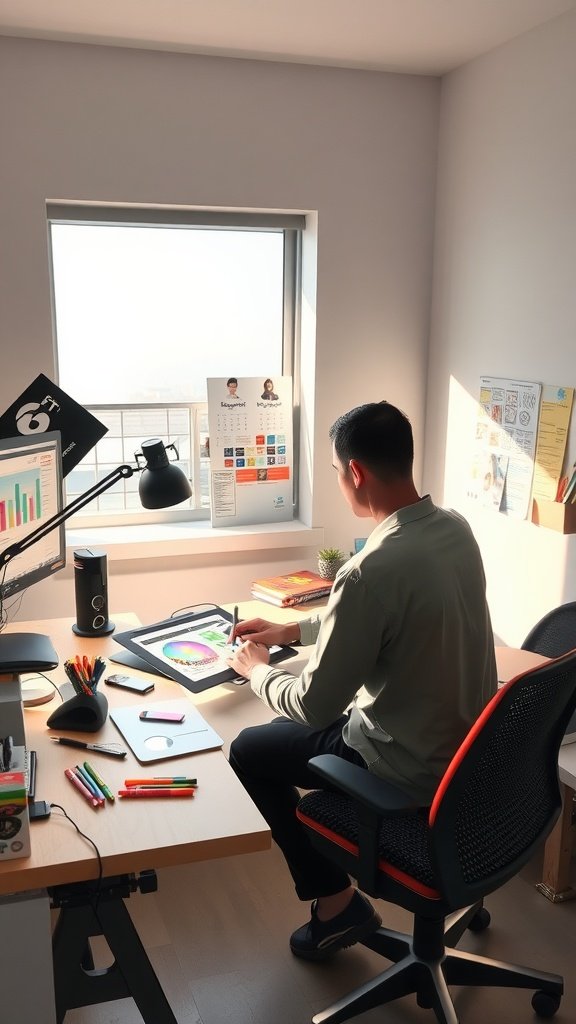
81 713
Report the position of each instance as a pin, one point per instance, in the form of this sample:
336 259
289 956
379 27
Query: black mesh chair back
500 796
555 633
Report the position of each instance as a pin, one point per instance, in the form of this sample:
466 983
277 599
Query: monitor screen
30 494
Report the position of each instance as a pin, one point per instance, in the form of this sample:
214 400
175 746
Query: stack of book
292 588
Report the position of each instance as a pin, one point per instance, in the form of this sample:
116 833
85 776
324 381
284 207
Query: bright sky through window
145 314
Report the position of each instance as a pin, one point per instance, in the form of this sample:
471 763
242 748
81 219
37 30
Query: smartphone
130 683
162 716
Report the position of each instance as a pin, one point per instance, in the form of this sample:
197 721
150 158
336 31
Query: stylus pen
88 746
234 625
155 791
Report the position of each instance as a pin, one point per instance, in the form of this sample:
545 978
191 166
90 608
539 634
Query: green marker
105 789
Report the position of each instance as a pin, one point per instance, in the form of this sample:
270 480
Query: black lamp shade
162 483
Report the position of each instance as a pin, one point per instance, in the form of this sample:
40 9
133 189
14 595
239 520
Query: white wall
107 124
504 297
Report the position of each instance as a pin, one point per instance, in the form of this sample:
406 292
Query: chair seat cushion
402 845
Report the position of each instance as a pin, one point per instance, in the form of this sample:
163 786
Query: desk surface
220 820
511 661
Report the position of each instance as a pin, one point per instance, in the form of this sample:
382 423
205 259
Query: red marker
158 780
154 791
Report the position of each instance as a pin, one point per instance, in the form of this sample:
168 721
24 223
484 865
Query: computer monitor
30 493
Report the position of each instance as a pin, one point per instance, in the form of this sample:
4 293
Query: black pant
271 761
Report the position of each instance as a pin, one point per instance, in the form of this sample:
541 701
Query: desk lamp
161 485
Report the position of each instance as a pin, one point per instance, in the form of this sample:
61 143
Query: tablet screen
193 650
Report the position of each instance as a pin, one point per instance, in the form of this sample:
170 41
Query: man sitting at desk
403 665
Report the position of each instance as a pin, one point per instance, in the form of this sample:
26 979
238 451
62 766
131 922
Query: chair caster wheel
480 921
545 1004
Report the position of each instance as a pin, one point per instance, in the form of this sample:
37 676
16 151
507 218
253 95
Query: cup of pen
87 710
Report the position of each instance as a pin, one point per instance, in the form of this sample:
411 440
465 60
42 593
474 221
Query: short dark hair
378 434
231 380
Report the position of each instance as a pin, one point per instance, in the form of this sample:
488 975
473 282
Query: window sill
124 543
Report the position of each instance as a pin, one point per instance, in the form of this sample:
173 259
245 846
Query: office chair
498 799
555 633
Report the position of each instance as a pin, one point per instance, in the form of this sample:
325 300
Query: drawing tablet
134 661
192 649
158 741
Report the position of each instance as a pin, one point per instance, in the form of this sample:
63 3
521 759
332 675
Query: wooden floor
217 935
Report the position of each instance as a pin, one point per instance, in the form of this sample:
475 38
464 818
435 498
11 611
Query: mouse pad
158 741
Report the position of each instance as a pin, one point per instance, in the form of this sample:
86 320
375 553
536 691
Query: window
148 303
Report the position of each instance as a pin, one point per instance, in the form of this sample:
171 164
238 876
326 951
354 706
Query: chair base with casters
425 964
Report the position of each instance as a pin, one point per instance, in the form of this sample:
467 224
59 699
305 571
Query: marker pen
81 787
176 781
90 784
99 782
154 791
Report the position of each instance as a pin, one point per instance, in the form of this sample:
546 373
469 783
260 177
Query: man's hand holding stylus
269 633
256 636
247 656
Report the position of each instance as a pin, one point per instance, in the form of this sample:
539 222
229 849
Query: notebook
159 741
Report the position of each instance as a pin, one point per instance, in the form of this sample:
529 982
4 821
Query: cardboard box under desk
555 515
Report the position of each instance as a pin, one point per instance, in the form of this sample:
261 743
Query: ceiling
412 36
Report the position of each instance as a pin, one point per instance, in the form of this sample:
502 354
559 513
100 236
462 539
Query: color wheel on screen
189 653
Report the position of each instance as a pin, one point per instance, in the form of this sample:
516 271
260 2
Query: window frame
292 224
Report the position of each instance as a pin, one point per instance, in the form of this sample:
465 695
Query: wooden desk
132 836
220 821
555 883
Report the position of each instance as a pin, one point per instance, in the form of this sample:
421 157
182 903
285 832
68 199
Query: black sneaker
318 940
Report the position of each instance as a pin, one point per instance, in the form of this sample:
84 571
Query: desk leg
555 884
26 974
77 983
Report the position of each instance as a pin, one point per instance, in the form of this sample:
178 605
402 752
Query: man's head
373 451
232 383
378 435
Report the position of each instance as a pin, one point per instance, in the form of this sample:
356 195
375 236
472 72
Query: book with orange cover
292 588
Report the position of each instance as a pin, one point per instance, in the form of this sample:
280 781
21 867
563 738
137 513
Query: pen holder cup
81 713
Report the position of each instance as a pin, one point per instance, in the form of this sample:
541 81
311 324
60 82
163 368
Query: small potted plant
329 561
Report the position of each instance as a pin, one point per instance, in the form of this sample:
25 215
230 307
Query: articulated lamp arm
121 473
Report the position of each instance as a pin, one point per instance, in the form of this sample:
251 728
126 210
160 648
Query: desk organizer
556 515
82 713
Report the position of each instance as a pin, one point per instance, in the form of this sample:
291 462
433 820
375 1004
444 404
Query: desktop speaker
91 586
